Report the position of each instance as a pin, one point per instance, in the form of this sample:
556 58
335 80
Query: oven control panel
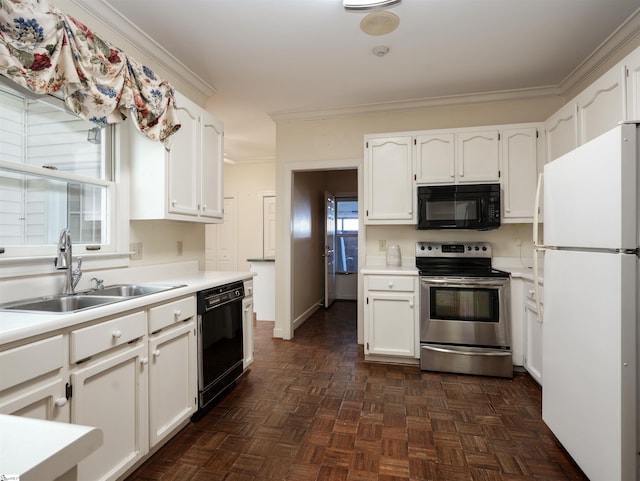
453 249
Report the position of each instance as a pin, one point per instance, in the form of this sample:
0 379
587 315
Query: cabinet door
391 324
184 159
211 180
247 330
601 105
632 79
435 158
389 192
561 131
111 394
533 344
172 379
477 157
519 174
39 400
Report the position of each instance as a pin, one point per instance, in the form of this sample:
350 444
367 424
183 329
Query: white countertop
36 450
15 326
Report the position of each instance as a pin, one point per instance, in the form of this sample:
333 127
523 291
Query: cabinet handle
177 313
156 353
204 206
62 401
246 309
250 290
411 304
174 202
144 361
390 285
117 334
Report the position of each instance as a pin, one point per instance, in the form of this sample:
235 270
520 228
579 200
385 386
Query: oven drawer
390 283
466 360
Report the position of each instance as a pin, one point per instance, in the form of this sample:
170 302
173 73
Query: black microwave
470 206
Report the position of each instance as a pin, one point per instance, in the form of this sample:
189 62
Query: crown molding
116 21
624 39
416 104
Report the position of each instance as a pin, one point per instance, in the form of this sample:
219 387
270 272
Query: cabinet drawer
26 362
391 283
171 312
93 340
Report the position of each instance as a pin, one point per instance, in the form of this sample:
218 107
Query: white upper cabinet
466 156
519 173
561 131
632 71
184 183
389 191
601 105
435 158
478 158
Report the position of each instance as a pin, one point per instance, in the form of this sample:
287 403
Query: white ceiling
299 57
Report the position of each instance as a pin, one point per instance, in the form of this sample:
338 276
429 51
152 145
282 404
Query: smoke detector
380 50
379 23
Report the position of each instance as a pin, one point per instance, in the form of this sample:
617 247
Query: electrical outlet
382 245
135 250
179 248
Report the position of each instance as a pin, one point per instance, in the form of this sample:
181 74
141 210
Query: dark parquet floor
312 409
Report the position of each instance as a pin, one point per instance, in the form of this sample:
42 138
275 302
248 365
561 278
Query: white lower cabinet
172 379
37 389
109 391
391 316
247 324
533 333
111 394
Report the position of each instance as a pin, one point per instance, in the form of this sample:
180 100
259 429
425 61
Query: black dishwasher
220 342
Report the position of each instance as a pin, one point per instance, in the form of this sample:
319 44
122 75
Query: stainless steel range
464 310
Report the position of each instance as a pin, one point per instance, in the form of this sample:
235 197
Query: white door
269 226
227 239
329 249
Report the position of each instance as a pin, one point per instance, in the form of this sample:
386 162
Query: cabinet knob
174 202
117 334
204 206
156 353
177 313
144 361
246 309
390 285
62 401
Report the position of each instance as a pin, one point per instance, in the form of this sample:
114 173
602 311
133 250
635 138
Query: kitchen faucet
64 261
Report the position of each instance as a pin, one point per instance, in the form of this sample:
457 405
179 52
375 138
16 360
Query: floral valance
47 51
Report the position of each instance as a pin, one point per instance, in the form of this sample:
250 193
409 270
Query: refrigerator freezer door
590 194
589 359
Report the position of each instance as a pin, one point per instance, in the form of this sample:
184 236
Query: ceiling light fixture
379 23
368 4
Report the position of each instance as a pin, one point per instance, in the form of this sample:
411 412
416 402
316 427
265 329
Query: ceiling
283 59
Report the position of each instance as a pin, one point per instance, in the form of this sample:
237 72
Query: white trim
301 319
116 21
284 301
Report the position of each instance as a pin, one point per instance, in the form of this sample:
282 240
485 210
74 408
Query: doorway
302 237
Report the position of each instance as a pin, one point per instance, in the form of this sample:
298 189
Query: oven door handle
488 352
467 282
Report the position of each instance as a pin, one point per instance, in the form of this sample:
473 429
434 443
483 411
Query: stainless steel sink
131 290
62 304
87 299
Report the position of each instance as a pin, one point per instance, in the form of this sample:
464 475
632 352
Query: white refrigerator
591 303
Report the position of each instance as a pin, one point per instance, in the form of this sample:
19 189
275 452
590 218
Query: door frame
284 267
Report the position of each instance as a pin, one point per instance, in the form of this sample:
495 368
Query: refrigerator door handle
536 248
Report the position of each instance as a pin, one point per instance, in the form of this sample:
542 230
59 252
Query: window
56 172
346 235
